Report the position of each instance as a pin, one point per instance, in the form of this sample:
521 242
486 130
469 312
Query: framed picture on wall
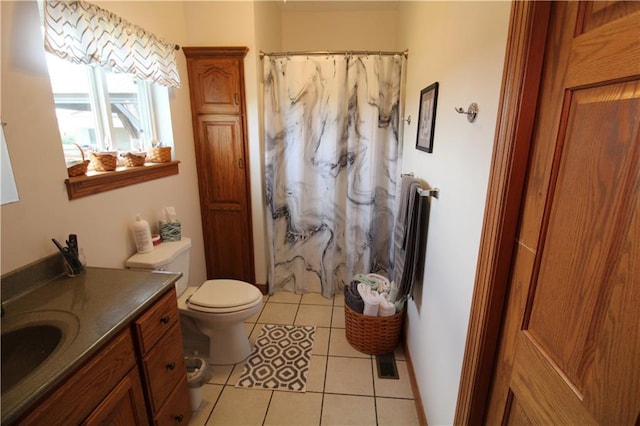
427 117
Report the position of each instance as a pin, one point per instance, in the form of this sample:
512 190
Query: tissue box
170 231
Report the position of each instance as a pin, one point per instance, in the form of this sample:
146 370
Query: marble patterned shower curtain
331 159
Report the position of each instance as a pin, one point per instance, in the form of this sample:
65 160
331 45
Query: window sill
97 182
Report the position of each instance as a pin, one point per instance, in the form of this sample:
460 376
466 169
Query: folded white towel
371 302
383 285
386 308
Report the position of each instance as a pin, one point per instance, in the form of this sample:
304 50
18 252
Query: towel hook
472 111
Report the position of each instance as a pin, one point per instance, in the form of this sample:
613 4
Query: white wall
461 45
339 25
101 221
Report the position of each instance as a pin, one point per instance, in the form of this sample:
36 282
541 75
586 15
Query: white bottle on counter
142 235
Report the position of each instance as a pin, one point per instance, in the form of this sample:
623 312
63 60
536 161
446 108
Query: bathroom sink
29 341
24 349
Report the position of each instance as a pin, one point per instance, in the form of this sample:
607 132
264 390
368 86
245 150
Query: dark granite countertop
95 305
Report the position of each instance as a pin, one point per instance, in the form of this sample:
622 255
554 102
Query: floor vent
387 368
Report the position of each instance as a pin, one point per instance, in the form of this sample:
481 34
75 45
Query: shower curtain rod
334 52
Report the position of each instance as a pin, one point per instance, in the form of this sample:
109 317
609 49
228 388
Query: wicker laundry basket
373 335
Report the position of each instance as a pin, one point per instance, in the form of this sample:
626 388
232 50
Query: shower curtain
331 161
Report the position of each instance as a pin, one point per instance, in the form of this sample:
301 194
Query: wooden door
223 197
216 82
570 343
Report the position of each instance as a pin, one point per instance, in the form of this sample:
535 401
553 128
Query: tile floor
343 387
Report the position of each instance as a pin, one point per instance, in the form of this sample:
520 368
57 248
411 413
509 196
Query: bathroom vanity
119 359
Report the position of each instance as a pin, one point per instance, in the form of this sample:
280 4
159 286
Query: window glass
77 119
125 111
99 110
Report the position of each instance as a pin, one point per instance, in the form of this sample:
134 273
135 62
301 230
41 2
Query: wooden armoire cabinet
216 85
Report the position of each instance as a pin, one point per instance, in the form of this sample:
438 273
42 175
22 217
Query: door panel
216 86
223 197
570 342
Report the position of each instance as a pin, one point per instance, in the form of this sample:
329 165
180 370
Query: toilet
217 307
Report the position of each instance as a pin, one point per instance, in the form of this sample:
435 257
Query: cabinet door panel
124 405
224 196
216 86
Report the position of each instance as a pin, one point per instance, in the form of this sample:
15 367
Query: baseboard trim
264 288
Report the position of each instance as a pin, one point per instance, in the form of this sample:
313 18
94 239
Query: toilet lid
224 295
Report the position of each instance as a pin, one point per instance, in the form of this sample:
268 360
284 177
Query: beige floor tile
248 327
339 346
220 374
285 297
348 410
235 374
317 369
396 412
338 299
337 319
321 341
398 353
315 299
254 318
294 408
351 376
278 313
210 395
255 333
320 316
396 388
240 407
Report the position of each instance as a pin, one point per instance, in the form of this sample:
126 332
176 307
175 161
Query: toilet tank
170 256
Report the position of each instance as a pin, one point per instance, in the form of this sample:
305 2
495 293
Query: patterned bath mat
280 359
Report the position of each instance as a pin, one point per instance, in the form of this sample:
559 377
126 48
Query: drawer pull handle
179 418
171 365
165 319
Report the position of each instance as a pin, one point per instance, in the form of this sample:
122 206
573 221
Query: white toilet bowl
219 308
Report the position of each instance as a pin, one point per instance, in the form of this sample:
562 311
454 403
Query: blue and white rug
280 359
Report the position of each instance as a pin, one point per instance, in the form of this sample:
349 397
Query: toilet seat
224 296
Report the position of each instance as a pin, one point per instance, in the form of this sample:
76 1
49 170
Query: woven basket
103 162
79 169
131 160
161 154
372 335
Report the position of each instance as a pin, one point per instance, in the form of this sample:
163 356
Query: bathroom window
99 110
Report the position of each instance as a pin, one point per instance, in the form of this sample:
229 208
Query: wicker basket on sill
79 169
159 154
103 162
134 160
372 335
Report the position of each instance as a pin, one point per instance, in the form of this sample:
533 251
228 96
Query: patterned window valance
86 34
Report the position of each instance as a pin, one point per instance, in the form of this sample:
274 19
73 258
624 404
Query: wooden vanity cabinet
107 387
143 362
161 357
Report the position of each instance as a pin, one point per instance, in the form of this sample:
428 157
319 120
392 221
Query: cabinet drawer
177 408
159 318
164 367
88 386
